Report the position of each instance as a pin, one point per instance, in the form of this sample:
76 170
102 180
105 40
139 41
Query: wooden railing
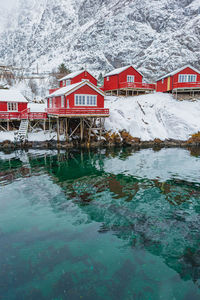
137 85
182 85
78 111
26 114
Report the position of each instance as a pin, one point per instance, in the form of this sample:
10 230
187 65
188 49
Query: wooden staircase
22 133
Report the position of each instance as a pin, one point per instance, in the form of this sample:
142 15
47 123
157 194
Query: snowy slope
155 36
154 116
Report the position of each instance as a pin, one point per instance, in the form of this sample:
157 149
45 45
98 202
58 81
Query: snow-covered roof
11 96
72 87
71 75
36 107
120 70
177 71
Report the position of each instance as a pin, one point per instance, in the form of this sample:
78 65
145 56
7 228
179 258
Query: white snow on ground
36 136
36 107
153 116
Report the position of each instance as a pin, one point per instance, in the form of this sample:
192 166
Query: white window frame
85 100
162 81
107 78
12 106
50 102
62 101
67 82
130 78
182 78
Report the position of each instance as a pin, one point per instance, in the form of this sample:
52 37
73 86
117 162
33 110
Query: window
162 81
62 101
187 78
12 106
130 78
107 78
68 82
83 100
50 103
64 83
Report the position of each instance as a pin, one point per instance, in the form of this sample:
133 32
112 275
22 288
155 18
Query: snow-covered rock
153 116
155 36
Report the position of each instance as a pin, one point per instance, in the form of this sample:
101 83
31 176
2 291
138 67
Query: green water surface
106 225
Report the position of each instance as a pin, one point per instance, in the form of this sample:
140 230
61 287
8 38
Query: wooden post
44 125
8 127
49 124
61 127
81 124
100 128
58 131
66 130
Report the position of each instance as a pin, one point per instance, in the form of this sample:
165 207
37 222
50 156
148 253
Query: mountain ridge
156 37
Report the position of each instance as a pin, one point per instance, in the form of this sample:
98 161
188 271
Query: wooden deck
78 112
23 115
186 86
138 86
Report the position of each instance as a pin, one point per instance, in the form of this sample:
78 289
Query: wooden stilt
8 127
100 128
81 123
49 124
58 131
66 130
61 127
44 125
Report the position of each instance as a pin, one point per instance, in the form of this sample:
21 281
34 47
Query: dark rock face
155 36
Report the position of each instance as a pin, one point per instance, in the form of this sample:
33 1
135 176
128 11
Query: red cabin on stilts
12 104
75 100
126 80
185 79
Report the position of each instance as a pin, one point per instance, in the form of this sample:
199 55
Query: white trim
77 103
130 78
67 90
120 70
182 78
177 71
12 103
62 101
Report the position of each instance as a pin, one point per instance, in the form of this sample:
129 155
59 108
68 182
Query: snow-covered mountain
155 36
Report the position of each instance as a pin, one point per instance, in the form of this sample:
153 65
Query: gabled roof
73 87
11 96
71 75
120 70
177 71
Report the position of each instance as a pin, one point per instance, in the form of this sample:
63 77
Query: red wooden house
185 79
81 99
12 104
126 79
77 77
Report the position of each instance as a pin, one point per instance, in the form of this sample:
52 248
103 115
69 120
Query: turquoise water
100 225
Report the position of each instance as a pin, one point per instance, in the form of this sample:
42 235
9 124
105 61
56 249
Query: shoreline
137 145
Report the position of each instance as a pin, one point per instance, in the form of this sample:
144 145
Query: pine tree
62 69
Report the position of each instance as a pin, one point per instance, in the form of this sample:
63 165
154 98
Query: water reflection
144 203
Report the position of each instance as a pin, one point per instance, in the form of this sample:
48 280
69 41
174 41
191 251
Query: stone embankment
109 139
